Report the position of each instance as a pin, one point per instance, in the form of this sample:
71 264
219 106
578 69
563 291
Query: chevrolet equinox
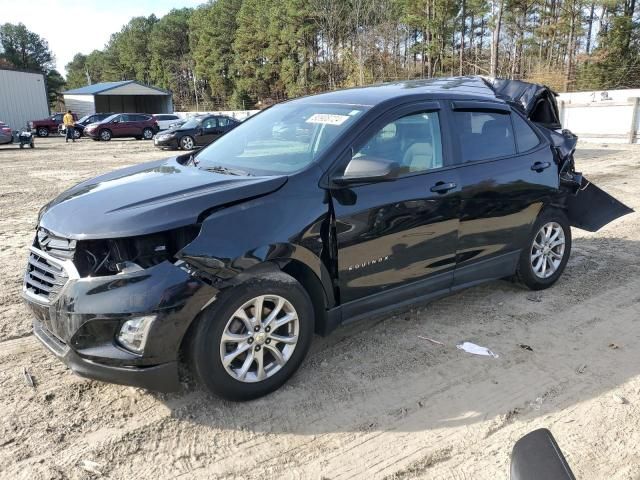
312 214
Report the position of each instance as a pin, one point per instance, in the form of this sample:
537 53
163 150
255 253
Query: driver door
397 239
207 133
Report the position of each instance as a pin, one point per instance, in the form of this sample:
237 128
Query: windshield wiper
227 170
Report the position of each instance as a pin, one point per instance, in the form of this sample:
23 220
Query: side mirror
536 456
368 169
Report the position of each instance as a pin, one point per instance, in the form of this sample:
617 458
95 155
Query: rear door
507 174
399 233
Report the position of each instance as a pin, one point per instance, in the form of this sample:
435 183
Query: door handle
540 166
442 187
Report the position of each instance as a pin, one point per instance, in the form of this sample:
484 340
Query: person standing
68 125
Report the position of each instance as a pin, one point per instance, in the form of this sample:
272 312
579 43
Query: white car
165 120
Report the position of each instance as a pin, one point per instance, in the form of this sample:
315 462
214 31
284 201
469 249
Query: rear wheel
253 337
187 143
105 135
43 132
547 252
147 133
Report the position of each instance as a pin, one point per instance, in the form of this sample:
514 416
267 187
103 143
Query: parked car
6 134
196 132
233 257
48 125
165 120
122 125
81 124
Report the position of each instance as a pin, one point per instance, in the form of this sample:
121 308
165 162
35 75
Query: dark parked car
196 132
233 257
122 125
48 125
81 124
6 134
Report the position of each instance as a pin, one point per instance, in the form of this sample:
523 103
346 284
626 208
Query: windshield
190 123
84 119
109 118
283 139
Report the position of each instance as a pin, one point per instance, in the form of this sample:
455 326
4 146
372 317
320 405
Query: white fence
606 116
237 114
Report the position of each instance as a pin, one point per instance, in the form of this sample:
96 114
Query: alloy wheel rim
187 143
259 338
104 135
547 250
148 134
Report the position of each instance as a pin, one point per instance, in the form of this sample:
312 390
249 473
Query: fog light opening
133 333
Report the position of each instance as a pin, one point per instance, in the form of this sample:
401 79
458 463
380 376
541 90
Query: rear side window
526 138
223 122
484 135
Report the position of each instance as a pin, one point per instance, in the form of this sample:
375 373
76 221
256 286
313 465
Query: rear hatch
589 207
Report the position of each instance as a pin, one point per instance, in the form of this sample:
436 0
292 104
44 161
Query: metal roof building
23 97
118 97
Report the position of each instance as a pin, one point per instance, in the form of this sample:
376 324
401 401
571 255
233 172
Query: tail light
6 129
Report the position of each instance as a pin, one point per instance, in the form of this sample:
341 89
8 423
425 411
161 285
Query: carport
127 96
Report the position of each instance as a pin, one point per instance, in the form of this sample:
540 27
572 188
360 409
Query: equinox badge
369 263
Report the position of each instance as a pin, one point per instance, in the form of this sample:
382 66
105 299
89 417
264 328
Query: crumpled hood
146 198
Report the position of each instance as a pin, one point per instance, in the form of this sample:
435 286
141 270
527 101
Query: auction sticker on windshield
327 119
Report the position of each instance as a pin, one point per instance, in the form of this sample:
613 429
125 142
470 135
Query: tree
26 50
171 65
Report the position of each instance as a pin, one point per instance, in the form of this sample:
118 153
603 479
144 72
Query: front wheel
187 143
547 252
76 133
253 337
105 135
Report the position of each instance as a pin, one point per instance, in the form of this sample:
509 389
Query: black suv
371 199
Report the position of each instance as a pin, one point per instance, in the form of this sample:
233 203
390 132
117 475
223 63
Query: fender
272 229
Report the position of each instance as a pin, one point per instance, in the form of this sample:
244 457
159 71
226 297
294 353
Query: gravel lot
373 400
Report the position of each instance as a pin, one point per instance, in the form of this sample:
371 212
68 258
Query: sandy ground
373 400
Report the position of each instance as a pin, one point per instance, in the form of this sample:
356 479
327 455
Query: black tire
147 133
525 272
204 348
187 143
76 134
105 135
43 132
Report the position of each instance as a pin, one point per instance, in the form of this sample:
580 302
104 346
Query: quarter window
484 135
526 138
413 142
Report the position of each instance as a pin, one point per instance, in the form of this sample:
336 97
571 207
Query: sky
73 26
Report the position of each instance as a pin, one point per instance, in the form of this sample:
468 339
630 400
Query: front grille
56 246
49 267
44 277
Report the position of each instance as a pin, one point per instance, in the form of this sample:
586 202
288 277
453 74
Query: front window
283 139
412 142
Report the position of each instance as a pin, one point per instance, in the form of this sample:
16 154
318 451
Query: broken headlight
117 255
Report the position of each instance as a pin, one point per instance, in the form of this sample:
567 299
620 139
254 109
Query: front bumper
80 323
171 142
160 378
91 133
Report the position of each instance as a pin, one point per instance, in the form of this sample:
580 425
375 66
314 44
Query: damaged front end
115 309
588 207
